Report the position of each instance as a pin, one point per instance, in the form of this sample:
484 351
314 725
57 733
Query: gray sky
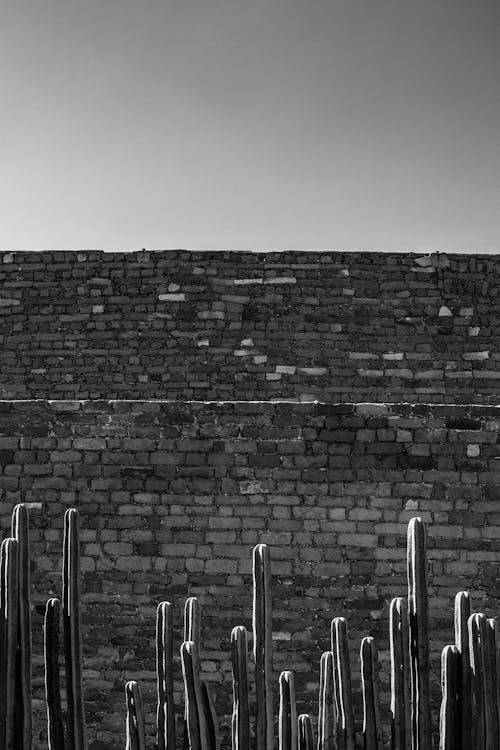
271 124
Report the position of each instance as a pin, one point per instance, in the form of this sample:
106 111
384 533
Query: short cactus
327 718
400 675
343 681
448 720
241 710
135 717
165 712
287 713
55 729
305 733
372 728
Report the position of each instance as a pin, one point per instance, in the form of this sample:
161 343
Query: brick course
305 326
174 495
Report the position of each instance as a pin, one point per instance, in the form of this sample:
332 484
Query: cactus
489 653
195 709
213 739
192 630
338 731
240 724
419 636
77 731
462 614
372 729
23 720
477 691
343 680
327 718
55 729
321 704
400 677
495 652
192 618
165 712
448 720
305 732
482 658
288 713
135 717
262 647
10 612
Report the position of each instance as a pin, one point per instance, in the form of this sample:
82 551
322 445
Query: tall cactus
372 728
23 720
343 681
55 729
262 647
400 676
419 636
288 713
135 717
10 612
165 712
448 720
77 731
305 732
462 614
240 724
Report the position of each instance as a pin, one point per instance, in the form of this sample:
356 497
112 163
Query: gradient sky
250 124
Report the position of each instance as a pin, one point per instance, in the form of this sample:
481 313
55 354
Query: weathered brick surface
225 325
173 496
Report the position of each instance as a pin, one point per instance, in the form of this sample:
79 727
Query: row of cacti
470 669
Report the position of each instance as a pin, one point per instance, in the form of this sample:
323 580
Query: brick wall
240 326
173 496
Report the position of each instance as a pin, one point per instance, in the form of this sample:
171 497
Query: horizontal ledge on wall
291 402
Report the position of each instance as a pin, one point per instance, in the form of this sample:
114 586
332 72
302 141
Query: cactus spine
135 717
462 614
305 732
372 729
448 720
343 681
23 721
288 713
241 711
77 731
55 729
419 636
165 713
262 646
400 677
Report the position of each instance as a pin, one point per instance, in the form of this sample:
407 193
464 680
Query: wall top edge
255 251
